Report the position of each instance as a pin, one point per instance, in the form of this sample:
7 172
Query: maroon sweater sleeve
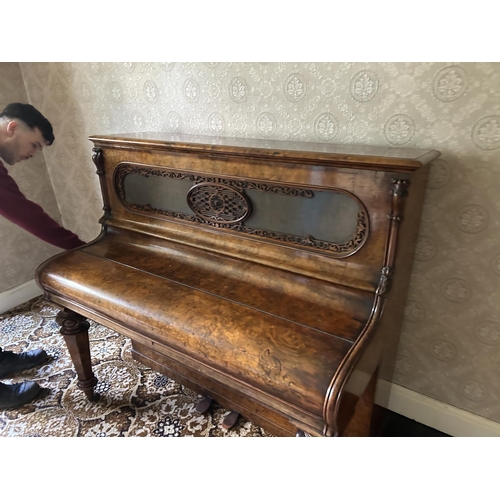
15 207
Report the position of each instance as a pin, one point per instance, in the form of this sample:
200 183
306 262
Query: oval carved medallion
218 203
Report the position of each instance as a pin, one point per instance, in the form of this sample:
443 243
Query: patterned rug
134 399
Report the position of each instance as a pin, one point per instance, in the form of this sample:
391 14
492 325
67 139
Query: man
23 132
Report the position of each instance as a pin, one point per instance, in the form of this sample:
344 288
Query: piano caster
230 419
204 405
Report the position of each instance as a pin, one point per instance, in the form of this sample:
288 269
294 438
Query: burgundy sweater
15 207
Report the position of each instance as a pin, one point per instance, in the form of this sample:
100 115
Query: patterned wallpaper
450 347
22 252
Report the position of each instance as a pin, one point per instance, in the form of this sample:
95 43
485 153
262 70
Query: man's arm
15 207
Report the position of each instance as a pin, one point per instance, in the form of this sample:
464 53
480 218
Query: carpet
134 399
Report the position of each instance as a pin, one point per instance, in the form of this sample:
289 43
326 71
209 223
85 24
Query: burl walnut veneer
269 276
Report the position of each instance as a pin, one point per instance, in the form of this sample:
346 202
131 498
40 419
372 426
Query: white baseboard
16 296
433 413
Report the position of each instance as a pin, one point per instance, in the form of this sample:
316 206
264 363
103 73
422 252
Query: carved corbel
384 283
98 159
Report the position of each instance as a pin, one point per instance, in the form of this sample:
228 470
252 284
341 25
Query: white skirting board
410 404
19 294
436 414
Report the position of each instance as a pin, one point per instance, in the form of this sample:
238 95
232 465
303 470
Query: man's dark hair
31 116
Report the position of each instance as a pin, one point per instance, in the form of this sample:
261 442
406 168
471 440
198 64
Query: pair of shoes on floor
16 395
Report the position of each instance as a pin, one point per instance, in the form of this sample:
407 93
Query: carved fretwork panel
217 202
326 220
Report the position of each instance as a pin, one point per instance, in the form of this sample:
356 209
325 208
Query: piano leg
74 329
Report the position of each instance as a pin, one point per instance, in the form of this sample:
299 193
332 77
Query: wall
22 252
450 347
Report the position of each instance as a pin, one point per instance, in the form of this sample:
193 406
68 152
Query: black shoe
16 395
11 363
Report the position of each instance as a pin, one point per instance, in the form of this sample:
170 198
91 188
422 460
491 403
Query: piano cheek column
74 329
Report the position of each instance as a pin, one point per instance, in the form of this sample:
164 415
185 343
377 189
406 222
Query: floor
396 425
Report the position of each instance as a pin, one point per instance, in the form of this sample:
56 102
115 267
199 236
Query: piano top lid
360 156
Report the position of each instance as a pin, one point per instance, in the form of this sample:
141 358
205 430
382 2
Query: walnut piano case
269 276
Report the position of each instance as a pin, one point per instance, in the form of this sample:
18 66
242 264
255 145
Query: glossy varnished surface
290 335
404 158
361 270
340 311
288 360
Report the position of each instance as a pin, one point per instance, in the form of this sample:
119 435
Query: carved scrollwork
146 171
218 203
341 249
385 281
222 203
97 159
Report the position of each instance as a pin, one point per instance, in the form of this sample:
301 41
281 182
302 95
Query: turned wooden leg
74 329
